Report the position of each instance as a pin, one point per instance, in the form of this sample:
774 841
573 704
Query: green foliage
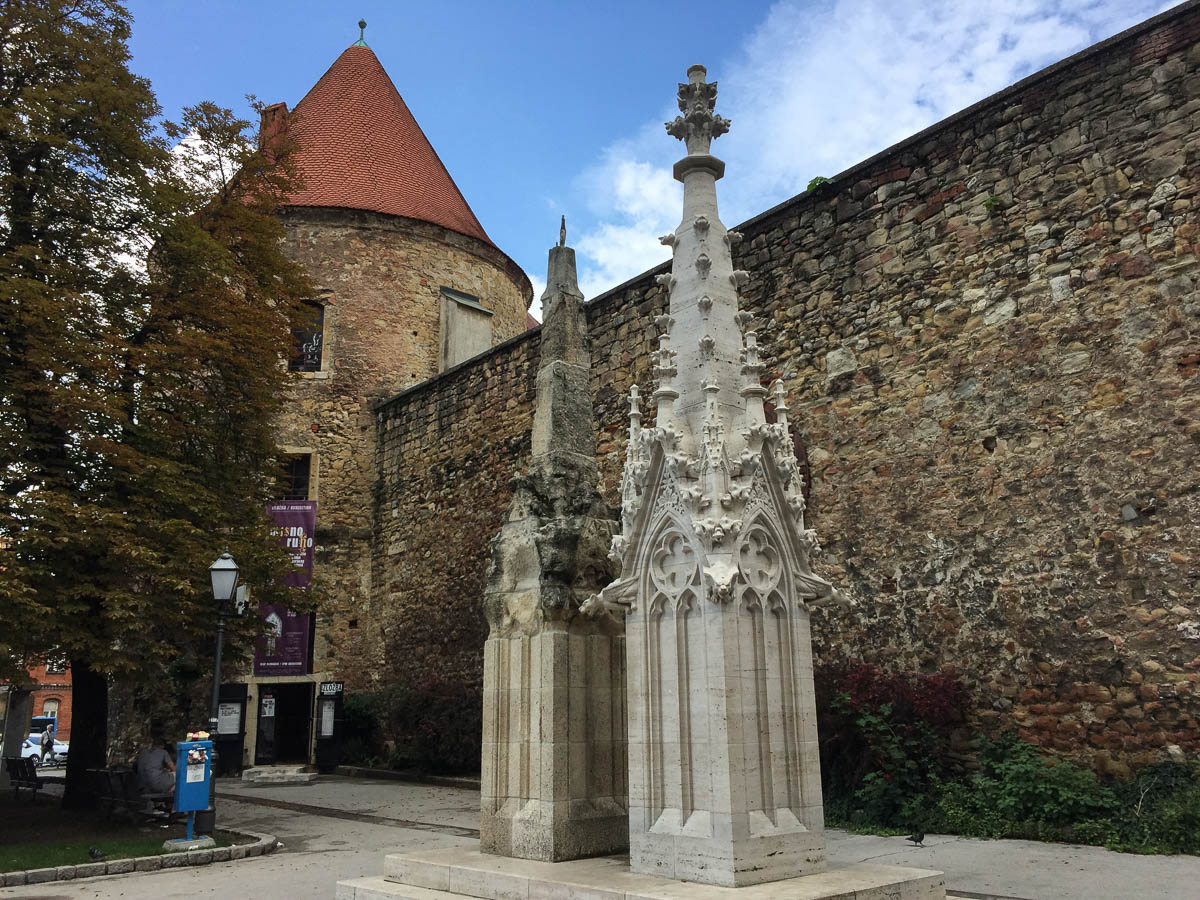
901 758
886 765
1021 793
135 399
992 203
365 715
437 725
884 741
1159 811
817 182
1023 785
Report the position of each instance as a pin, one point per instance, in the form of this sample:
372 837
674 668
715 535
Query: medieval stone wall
991 339
380 277
448 451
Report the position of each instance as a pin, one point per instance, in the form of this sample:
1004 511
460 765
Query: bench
22 773
117 789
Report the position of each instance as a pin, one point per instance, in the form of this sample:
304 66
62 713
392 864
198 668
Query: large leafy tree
145 310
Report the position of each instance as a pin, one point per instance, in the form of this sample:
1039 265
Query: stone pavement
339 828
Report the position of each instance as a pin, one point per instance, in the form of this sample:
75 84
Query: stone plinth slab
279 775
458 872
182 845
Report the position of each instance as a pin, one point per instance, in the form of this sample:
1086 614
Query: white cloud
539 287
817 88
634 201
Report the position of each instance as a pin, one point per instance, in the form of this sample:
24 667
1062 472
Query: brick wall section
991 338
383 276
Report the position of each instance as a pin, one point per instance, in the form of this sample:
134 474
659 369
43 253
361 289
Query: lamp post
224 573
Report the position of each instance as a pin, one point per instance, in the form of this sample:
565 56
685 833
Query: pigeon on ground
917 837
96 854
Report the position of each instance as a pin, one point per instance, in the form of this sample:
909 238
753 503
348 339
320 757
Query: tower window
308 337
466 326
293 483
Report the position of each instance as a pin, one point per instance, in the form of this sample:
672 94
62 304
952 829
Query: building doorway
284 723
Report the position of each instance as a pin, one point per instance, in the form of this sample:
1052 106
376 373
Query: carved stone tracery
716 574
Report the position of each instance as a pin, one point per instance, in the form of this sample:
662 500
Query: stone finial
779 399
698 125
562 232
779 395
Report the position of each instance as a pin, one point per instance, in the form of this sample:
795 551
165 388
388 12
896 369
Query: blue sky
541 108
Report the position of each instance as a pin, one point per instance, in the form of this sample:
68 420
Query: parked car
32 748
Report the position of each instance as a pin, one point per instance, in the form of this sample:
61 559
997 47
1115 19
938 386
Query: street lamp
231 601
224 574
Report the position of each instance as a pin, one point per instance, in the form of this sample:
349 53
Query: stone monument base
456 872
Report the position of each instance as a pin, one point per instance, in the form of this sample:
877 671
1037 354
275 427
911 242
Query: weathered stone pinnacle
541 656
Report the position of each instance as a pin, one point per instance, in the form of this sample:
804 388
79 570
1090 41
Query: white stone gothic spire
715 579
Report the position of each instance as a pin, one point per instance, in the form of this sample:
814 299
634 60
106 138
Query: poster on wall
283 645
229 718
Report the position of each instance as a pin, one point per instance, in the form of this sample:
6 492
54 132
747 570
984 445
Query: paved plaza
338 828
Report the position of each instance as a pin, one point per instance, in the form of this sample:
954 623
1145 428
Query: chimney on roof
272 124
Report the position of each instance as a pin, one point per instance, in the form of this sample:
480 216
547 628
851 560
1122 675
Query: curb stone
263 844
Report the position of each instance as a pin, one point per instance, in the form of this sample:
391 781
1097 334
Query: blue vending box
193 771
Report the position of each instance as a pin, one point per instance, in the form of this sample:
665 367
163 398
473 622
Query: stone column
715 582
554 748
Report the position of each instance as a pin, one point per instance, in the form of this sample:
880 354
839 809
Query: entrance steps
279 775
456 873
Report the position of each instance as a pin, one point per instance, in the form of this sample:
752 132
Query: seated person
155 770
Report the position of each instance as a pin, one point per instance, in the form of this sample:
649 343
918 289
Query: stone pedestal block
554 775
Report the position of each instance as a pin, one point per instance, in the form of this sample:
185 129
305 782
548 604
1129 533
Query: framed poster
229 718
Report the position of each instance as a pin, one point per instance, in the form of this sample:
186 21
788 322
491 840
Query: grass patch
40 834
44 853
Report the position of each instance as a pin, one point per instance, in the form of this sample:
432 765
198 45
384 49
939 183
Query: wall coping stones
263 844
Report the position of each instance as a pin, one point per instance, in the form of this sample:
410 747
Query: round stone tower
408 285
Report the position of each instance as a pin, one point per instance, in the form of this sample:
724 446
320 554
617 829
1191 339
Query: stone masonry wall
991 338
382 275
448 451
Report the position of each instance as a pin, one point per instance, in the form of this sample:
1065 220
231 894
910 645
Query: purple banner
283 646
295 522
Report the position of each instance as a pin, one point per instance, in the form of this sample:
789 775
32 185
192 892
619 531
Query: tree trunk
89 734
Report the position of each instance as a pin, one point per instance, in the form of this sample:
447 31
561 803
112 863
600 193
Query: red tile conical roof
359 147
